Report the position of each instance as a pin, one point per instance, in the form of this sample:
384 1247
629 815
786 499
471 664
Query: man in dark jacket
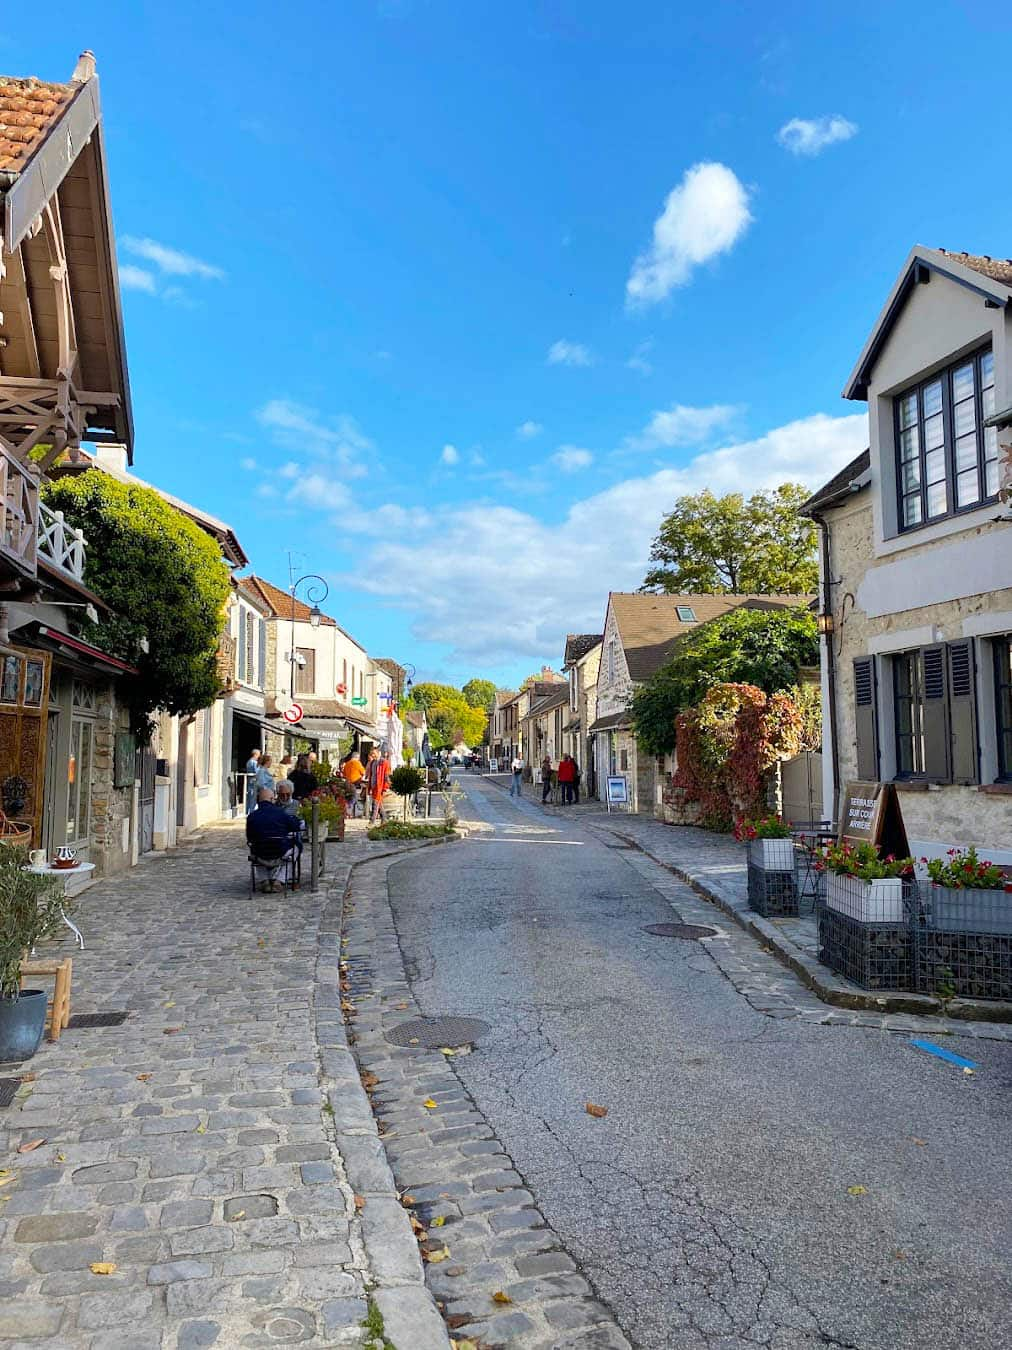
272 835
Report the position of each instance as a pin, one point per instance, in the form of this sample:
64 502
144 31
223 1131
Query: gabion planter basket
865 931
963 942
772 887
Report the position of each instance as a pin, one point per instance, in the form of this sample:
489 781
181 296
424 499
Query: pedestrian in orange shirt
353 771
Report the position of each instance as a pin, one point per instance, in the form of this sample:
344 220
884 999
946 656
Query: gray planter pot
968 911
22 1022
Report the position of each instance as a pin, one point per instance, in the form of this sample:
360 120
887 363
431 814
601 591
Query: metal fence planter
871 955
878 901
772 889
963 942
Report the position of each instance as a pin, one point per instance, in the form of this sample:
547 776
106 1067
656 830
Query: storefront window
79 780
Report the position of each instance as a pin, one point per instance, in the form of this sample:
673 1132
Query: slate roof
579 644
838 486
649 625
29 109
612 722
558 696
998 269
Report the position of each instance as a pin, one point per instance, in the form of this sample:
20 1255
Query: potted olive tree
31 909
406 781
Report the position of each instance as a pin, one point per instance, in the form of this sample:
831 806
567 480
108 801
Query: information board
618 790
871 814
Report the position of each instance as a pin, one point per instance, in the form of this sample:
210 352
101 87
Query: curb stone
464 1187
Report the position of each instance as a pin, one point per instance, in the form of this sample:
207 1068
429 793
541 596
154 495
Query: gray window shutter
242 643
937 767
261 679
963 712
866 719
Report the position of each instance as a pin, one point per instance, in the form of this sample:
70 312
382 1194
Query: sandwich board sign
617 790
871 815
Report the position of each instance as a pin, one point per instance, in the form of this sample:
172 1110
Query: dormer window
686 614
946 460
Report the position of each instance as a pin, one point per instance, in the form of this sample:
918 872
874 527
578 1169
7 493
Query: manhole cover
8 1090
680 930
110 1019
433 1032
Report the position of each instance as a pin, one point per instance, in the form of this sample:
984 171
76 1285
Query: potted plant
863 885
331 811
406 781
967 894
31 909
769 841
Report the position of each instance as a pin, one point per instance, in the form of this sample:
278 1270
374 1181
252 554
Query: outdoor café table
66 873
811 836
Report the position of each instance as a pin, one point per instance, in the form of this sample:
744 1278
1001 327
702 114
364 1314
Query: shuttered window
908 703
963 712
1003 699
241 644
866 719
935 712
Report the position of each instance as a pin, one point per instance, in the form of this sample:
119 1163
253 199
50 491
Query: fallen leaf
369 1080
61 1157
447 1050
239 1214
597 1111
923 1142
5 1172
429 1104
407 1200
438 1222
103 1267
261 942
143 1077
439 1255
400 1006
969 1072
455 1271
6 1181
170 1031
347 1006
500 1297
171 1003
413 1040
201 1129
359 1201
857 1190
28 1077
899 1256
30 1146
454 1320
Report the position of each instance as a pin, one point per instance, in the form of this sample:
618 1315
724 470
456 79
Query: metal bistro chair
809 837
288 863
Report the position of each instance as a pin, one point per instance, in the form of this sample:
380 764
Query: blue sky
407 290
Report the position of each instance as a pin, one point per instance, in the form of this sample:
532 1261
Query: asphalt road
712 1207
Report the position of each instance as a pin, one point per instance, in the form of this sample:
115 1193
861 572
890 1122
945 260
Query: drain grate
8 1089
109 1019
680 930
434 1032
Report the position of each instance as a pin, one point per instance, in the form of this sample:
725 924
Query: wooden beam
17 282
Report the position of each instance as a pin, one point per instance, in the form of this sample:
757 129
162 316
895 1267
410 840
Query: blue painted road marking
944 1054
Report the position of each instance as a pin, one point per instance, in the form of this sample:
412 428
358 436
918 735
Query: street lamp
316 590
410 672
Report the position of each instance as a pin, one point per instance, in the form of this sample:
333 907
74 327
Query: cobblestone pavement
714 863
763 1176
192 1147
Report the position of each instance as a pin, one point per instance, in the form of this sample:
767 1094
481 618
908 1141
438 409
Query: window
908 692
1003 699
305 670
611 662
686 614
624 758
202 748
250 636
79 781
946 460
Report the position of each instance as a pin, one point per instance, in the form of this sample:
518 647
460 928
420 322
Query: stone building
581 663
917 561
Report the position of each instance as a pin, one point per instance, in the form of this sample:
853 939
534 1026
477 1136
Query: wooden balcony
60 543
19 493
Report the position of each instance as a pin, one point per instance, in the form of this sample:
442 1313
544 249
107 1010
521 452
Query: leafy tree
449 715
759 546
479 693
764 648
166 583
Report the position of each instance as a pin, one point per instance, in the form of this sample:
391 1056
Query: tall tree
760 546
448 712
479 693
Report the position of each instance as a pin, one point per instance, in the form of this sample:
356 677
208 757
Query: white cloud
528 430
137 279
319 491
638 361
451 578
171 261
703 216
338 439
450 455
680 425
810 136
249 464
571 458
563 353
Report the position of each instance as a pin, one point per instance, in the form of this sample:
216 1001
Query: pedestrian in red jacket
567 778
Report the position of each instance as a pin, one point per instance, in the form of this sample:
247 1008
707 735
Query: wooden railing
61 543
19 494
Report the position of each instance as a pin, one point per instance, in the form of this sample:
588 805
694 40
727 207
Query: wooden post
314 845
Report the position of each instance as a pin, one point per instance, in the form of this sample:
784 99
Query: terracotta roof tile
998 269
28 110
280 601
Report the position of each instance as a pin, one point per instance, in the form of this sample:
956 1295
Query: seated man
285 798
271 833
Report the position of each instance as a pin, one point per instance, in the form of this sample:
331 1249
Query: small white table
82 869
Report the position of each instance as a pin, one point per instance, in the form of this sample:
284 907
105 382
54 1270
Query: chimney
112 455
85 68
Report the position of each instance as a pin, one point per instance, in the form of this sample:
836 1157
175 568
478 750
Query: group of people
274 826
567 775
371 781
263 776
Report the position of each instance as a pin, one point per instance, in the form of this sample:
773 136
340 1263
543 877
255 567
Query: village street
760 1178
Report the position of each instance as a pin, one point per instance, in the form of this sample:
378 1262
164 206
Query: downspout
827 608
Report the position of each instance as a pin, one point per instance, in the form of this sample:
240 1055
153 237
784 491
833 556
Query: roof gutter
827 608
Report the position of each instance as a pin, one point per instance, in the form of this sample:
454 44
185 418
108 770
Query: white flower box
878 901
953 910
772 855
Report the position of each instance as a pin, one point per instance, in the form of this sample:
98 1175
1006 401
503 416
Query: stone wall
110 806
946 815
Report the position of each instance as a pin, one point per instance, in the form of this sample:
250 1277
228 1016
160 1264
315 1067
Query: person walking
516 769
302 780
546 779
285 768
567 774
379 782
252 765
265 775
353 771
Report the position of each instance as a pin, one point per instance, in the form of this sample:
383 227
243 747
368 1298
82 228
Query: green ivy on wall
164 580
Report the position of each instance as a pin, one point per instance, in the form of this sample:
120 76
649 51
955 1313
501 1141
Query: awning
613 722
326 730
75 647
261 723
